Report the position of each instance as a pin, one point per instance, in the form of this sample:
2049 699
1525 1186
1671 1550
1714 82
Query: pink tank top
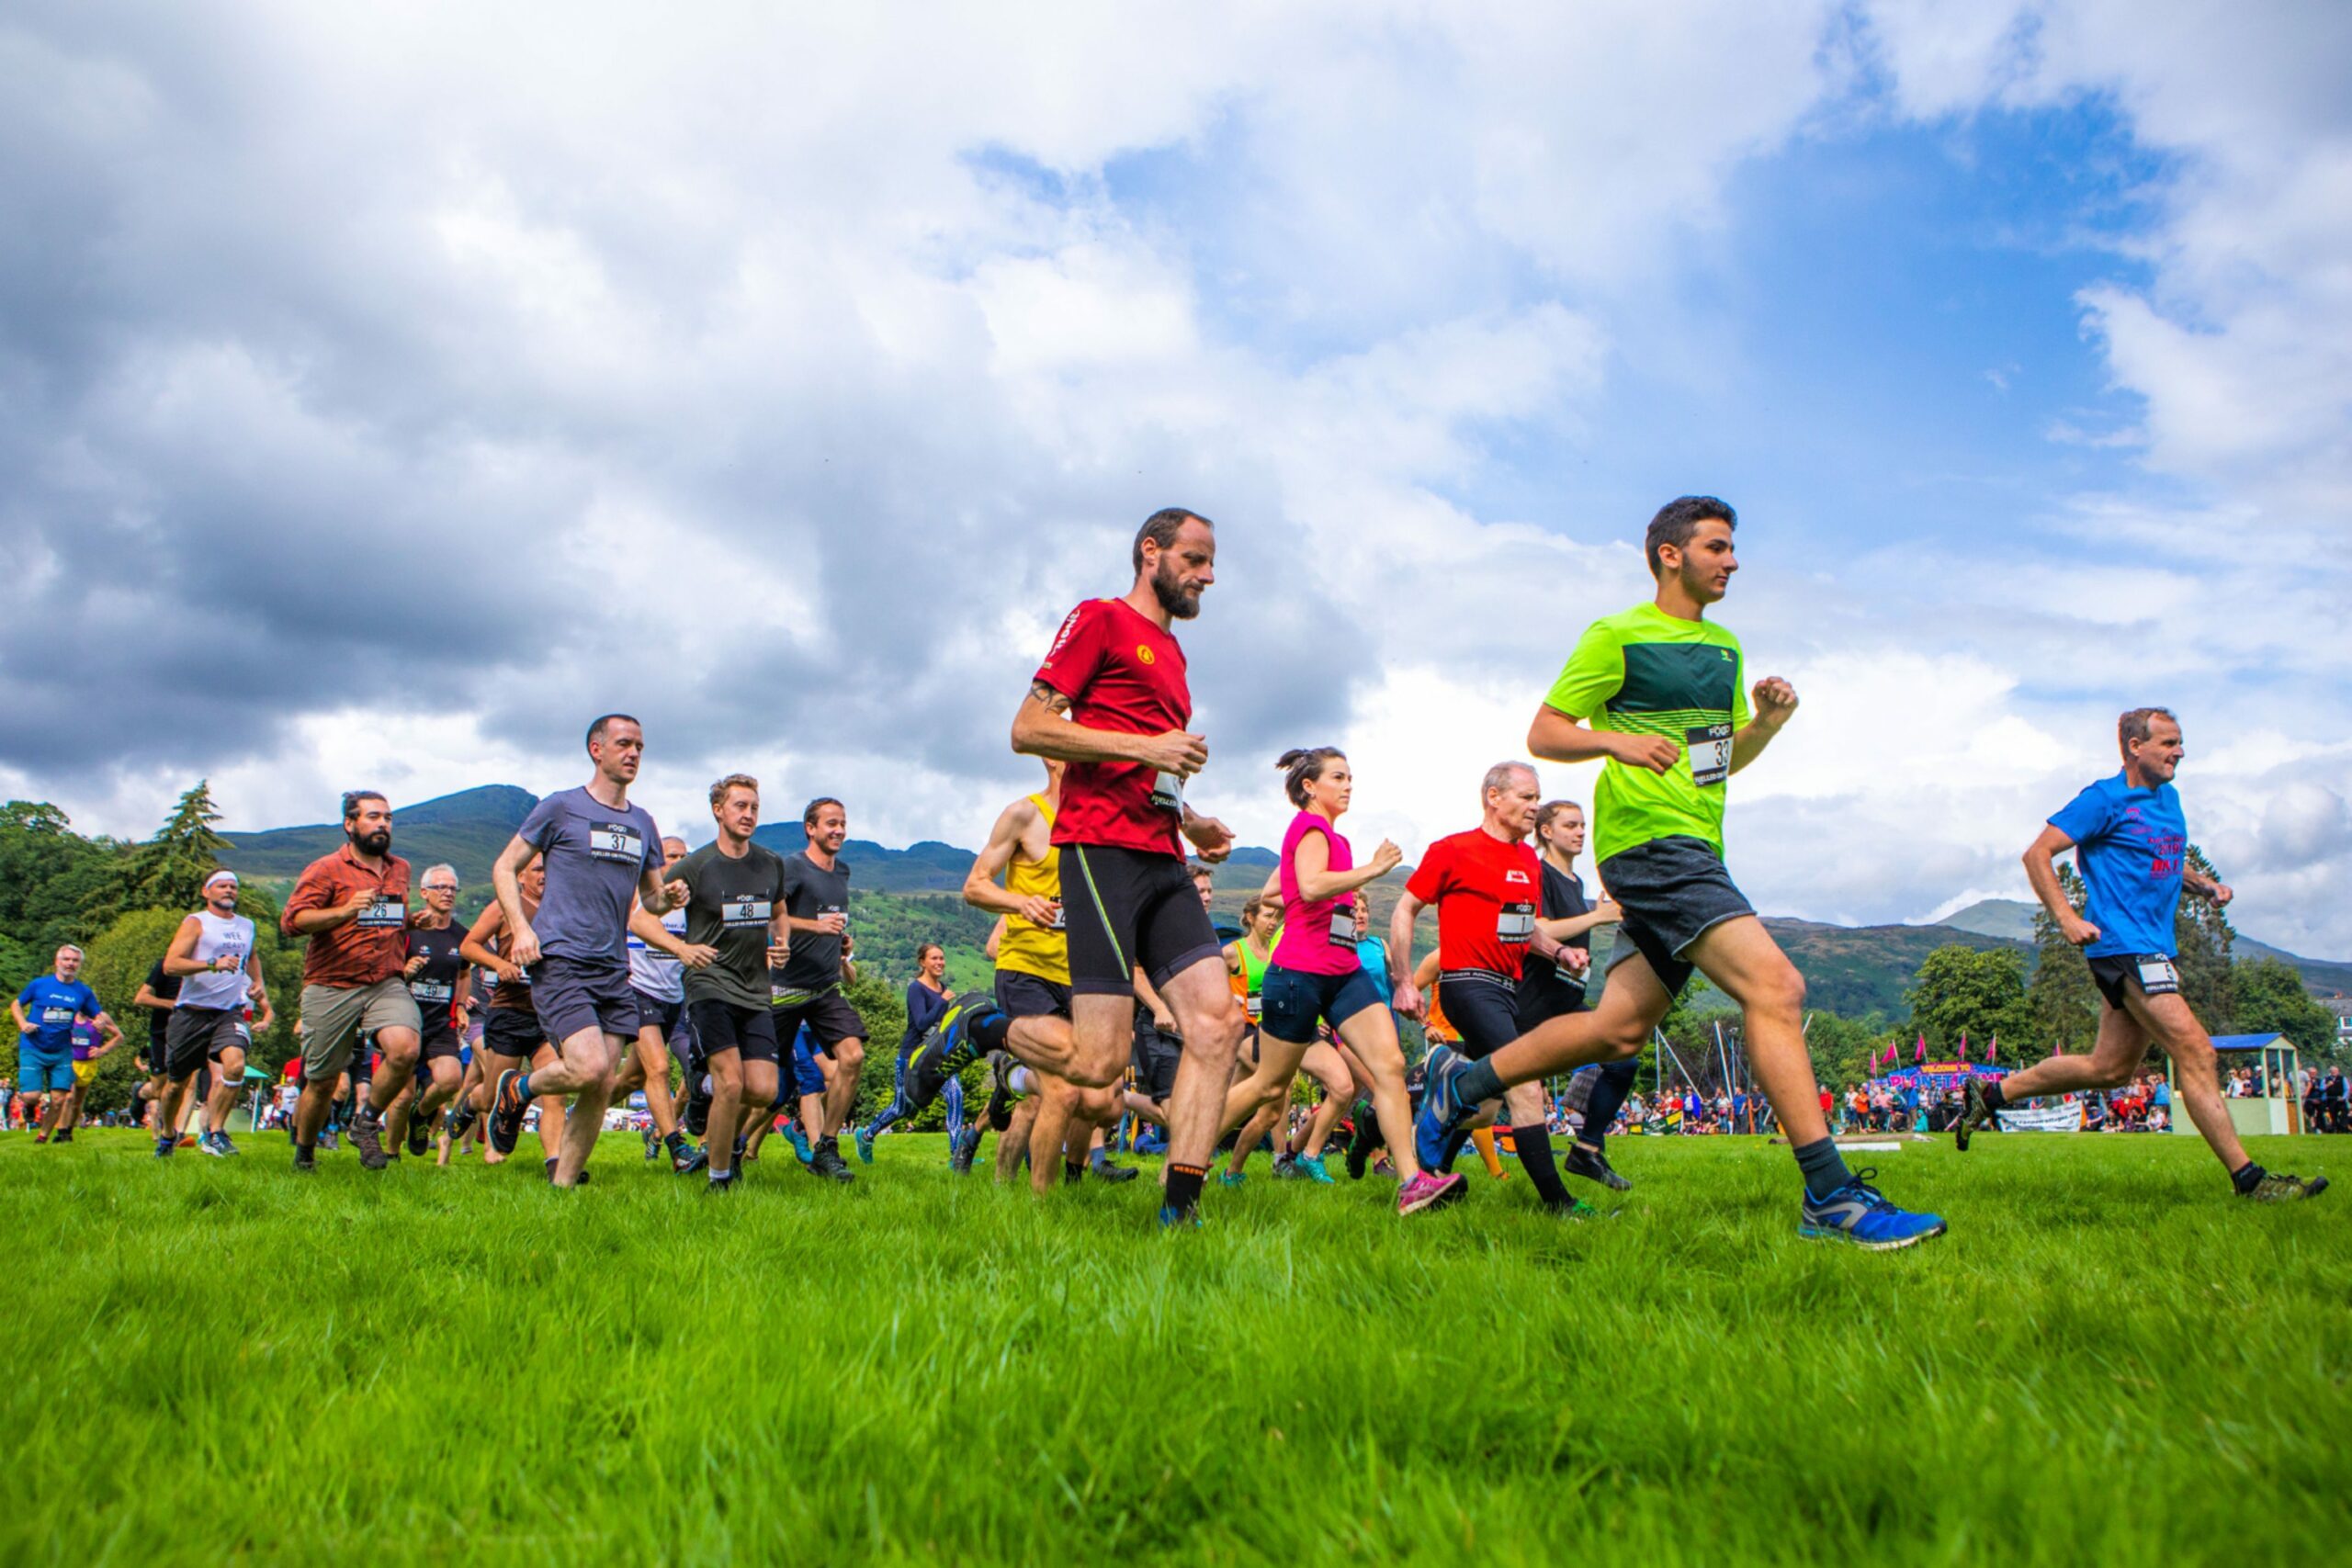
1318 938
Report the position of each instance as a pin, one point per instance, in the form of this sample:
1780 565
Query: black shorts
438 1040
1673 891
573 994
196 1034
722 1025
1127 909
1024 995
1155 1056
661 1015
158 1050
1483 1007
2152 973
828 1014
511 1031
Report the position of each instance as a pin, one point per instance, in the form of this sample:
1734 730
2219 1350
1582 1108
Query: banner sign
2065 1118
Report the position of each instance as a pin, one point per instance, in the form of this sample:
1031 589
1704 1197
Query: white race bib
1168 792
617 841
2158 977
1344 929
387 913
432 991
1515 923
1710 748
745 912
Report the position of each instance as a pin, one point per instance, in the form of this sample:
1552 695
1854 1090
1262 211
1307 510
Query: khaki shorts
335 1016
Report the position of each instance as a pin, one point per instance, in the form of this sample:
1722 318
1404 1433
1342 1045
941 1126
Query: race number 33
1710 748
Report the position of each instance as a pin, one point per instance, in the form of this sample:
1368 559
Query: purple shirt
1318 938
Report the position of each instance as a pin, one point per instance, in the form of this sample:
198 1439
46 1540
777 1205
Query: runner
927 1003
733 894
659 977
437 978
2129 842
213 953
158 994
45 1013
1661 688
805 986
511 1037
353 905
1549 989
597 847
1245 957
1316 977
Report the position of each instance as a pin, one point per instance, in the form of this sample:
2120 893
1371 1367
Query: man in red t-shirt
1487 886
1111 700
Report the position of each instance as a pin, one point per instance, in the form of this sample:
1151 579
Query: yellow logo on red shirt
1144 654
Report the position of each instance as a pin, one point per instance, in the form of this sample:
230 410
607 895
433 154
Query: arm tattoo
1052 700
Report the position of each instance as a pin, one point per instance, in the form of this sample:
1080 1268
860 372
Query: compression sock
991 1028
1485 1138
1183 1193
675 1142
1993 1098
1454 1143
1477 1083
999 1110
2247 1177
523 1087
1823 1167
1608 1097
1534 1146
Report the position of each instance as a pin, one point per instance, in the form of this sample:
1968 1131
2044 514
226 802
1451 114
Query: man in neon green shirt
1660 694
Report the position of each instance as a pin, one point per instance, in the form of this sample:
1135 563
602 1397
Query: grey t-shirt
733 903
810 890
594 857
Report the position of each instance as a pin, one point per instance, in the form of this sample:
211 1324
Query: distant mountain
2013 919
467 829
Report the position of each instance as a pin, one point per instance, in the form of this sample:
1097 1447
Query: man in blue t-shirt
2130 845
46 1011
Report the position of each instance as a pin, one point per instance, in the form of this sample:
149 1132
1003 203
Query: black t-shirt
730 906
435 986
1563 900
167 986
810 891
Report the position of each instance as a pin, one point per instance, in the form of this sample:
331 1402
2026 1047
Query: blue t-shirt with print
53 1005
2129 846
594 857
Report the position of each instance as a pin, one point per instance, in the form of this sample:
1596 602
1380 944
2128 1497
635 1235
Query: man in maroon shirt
1111 700
353 905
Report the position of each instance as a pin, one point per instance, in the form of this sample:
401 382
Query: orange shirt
357 953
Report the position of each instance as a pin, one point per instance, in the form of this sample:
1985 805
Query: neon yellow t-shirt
1643 672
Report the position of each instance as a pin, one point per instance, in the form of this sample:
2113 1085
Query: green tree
1843 1049
168 872
49 878
2063 1001
1966 993
882 1008
2272 999
2202 939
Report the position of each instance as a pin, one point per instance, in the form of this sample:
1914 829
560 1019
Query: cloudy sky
385 392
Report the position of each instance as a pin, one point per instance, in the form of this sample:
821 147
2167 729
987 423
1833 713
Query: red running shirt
1122 673
1486 895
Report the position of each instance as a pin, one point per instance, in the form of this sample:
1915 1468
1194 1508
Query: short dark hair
1678 519
1303 765
809 816
596 730
2133 727
351 798
1163 526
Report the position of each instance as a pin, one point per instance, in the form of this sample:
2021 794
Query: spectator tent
2274 1111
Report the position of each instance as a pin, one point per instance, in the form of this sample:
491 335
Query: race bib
2157 975
744 911
1255 1006
1060 922
617 841
432 991
387 913
1168 792
1515 923
1344 929
56 1015
1710 749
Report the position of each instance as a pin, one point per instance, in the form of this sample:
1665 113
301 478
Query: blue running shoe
1173 1218
799 1141
865 1145
1439 1109
1231 1178
1857 1212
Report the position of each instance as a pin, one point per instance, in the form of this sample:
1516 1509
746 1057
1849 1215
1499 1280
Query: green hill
2013 919
467 829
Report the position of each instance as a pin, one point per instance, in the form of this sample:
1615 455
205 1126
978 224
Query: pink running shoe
1427 1192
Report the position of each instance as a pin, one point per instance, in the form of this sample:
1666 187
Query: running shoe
1105 1172
366 1138
1593 1165
2277 1187
799 1142
1285 1169
67 1137
39 1139
506 1108
1436 1119
687 1160
226 1147
720 1183
1231 1178
1427 1192
1172 1218
419 1134
1573 1209
1361 1141
1974 1113
166 1147
652 1146
967 1143
826 1160
328 1140
949 1048
1310 1168
187 1140
1859 1213
865 1145
697 1117
305 1160
216 1144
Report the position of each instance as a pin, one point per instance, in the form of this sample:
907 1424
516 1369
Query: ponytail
1304 764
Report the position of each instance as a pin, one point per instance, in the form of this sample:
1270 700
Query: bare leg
586 1069
396 1070
1323 1064
727 1108
1014 1140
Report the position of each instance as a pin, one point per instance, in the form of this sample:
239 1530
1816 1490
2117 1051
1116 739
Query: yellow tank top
1033 949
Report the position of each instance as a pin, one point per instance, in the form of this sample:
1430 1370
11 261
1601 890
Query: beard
1168 590
374 843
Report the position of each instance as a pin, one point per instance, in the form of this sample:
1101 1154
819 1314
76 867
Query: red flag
1921 1053
1992 1048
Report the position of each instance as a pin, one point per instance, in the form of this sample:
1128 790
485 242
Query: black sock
1615 1081
1455 1143
1823 1167
1533 1146
991 1028
1184 1187
1994 1097
1073 1171
674 1141
2247 1177
1477 1083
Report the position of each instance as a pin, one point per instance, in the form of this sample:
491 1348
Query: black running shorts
724 1026
1155 1057
1024 995
1483 1007
1673 890
2150 974
828 1014
1127 909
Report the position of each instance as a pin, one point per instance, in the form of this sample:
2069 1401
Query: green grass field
2108 1357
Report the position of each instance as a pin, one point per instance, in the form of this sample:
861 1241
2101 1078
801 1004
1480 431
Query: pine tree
2202 939
168 872
2065 1003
